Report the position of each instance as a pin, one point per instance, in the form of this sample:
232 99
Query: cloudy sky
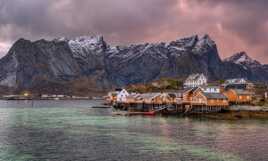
235 25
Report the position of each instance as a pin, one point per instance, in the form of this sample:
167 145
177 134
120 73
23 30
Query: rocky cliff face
254 69
64 61
244 60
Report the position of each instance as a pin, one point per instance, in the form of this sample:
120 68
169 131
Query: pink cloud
234 25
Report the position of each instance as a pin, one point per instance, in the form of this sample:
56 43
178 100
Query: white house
122 96
195 80
211 89
236 81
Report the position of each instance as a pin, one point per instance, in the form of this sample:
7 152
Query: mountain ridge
243 59
29 64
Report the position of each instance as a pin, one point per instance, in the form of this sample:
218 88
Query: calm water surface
71 130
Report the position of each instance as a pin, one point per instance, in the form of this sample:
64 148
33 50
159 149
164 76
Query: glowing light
26 94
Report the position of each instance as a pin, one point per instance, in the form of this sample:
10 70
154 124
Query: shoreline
236 115
53 99
235 112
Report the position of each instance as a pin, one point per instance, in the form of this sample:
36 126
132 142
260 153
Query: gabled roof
187 90
149 95
194 77
123 91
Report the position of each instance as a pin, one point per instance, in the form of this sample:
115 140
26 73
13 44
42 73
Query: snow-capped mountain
243 59
255 69
91 62
84 45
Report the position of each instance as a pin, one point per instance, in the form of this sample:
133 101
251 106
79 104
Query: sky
235 25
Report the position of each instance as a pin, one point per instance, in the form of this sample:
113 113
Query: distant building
238 96
189 93
149 97
122 96
199 97
133 98
216 99
211 89
195 80
45 96
157 98
236 81
112 96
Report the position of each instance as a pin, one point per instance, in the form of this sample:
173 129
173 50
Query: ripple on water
93 134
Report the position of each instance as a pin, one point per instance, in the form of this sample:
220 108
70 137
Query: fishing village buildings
238 96
122 96
196 96
195 80
208 98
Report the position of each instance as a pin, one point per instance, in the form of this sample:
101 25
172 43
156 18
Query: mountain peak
206 40
87 43
204 44
242 58
241 54
89 39
186 42
21 41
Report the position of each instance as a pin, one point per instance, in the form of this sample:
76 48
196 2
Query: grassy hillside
160 85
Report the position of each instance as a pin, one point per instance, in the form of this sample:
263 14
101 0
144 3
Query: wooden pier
167 108
188 101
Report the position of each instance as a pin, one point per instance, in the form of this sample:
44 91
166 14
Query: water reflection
67 130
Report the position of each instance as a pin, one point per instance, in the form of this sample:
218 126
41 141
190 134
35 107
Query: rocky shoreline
240 112
238 108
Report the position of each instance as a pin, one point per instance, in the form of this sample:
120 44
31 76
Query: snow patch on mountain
82 46
243 59
203 44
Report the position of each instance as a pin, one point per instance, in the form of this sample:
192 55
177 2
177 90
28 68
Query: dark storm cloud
245 19
119 18
234 24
